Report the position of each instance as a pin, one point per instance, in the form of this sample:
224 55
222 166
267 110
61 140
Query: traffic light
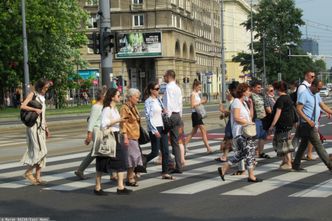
107 42
94 42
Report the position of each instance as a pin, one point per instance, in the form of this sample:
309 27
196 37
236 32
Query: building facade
152 36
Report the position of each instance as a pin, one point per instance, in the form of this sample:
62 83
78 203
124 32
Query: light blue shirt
308 100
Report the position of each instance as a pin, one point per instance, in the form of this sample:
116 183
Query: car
324 92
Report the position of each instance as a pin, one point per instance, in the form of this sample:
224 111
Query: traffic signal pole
105 27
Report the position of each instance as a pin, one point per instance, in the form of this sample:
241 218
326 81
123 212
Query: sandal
221 173
30 178
41 182
133 184
167 177
239 173
220 160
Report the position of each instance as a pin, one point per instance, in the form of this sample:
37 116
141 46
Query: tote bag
104 144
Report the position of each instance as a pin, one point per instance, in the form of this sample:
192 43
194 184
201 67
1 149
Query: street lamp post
264 66
222 64
25 52
252 41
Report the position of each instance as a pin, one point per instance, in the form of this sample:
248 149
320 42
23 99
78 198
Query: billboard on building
138 44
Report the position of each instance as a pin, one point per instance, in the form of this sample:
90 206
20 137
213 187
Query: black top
286 119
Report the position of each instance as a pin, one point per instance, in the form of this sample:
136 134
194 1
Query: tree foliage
276 24
55 32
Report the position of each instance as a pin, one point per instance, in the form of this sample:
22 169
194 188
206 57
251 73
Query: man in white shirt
172 101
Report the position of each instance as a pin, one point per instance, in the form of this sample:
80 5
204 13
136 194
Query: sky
318 16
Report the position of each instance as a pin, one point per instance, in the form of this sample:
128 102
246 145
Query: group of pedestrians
249 109
301 109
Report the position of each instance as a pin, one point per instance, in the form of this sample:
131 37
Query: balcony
136 7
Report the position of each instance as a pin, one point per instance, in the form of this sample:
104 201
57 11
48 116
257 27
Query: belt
175 112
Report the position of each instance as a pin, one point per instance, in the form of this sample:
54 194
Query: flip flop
220 160
168 177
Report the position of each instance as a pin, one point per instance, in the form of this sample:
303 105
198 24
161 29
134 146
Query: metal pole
252 41
264 67
106 58
25 53
222 64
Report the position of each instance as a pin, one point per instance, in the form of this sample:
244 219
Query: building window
138 20
173 2
181 5
137 1
92 22
91 2
174 21
90 51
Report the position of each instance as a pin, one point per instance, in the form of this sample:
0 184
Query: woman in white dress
35 156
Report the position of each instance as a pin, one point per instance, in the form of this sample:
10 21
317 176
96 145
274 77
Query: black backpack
294 94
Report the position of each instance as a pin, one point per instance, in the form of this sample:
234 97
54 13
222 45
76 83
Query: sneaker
124 191
100 192
80 175
285 167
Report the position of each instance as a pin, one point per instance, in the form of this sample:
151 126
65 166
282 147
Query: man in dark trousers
309 106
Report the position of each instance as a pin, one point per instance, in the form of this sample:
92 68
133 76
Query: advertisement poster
139 44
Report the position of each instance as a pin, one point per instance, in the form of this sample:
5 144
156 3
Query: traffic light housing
94 42
107 42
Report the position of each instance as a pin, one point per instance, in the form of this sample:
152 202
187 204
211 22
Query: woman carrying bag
35 156
197 119
110 119
243 132
158 136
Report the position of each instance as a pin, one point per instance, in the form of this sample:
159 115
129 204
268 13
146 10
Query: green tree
277 27
56 32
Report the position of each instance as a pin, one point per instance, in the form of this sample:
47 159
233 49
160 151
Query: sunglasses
312 76
156 89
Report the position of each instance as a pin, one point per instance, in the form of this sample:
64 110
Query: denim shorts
260 132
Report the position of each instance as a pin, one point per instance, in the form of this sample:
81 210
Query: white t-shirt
108 115
244 114
197 100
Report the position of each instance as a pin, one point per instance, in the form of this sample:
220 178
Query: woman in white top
241 115
35 156
110 118
158 136
197 120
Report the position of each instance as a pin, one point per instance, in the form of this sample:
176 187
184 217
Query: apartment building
153 36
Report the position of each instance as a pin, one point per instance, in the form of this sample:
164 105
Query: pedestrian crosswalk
200 175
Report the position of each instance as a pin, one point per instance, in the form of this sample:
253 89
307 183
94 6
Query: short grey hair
132 91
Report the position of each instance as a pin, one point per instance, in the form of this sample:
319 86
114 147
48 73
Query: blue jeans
317 144
159 143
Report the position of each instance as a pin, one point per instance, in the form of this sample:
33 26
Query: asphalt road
197 194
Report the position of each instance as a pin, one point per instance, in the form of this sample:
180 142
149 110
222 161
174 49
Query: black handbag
168 124
143 136
29 118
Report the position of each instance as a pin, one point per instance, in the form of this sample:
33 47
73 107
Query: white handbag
249 130
104 144
200 110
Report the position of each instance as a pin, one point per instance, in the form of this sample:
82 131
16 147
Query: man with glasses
172 101
309 106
